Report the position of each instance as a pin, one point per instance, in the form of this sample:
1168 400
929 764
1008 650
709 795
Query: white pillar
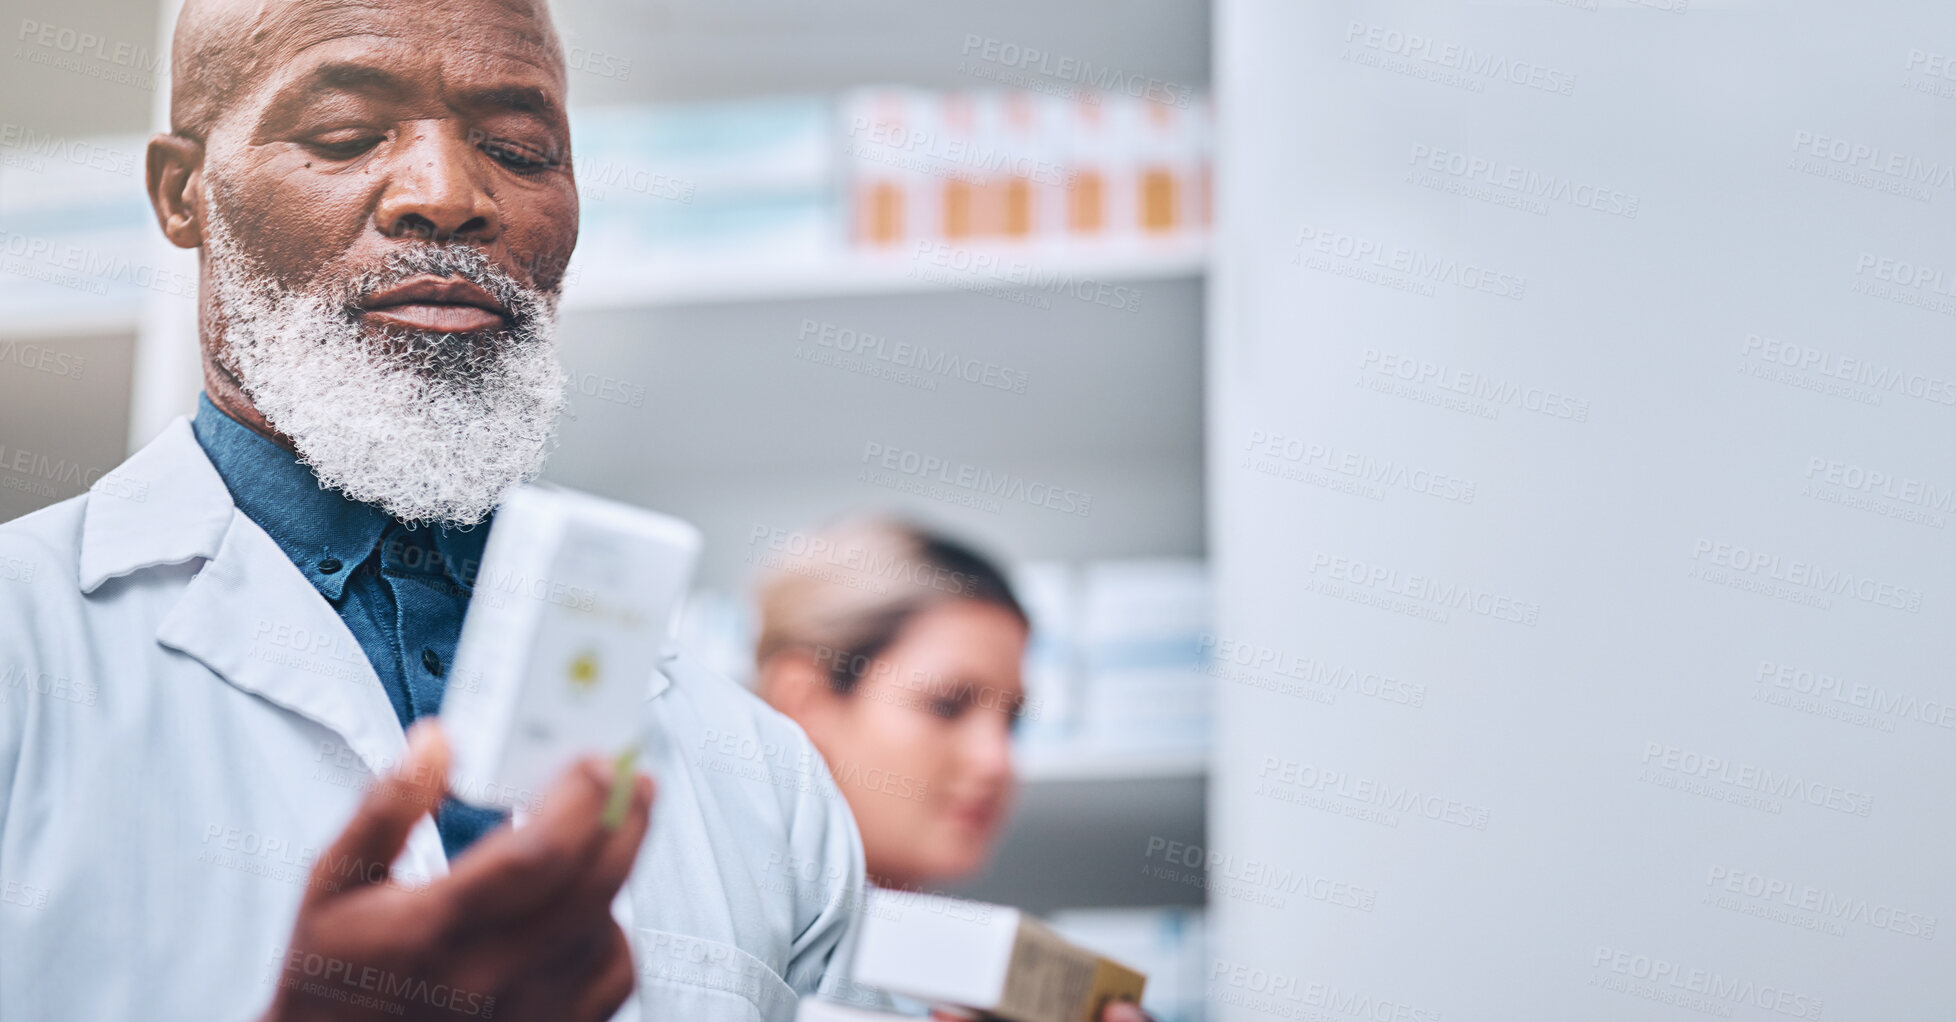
167 372
1583 391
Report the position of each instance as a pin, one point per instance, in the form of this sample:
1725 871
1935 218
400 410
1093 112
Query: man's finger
611 982
1122 1011
363 853
513 872
613 865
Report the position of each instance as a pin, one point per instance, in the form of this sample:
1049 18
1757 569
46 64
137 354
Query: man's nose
434 189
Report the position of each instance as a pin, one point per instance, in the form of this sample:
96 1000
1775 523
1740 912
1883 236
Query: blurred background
920 258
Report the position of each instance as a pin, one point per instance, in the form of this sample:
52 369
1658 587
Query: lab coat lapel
254 620
248 615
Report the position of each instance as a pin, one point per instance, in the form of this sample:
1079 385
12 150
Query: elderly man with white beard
221 793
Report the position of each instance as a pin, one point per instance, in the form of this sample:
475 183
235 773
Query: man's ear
176 188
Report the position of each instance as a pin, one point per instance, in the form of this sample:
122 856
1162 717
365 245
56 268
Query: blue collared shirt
401 591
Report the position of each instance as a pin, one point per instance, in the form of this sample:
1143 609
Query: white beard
429 427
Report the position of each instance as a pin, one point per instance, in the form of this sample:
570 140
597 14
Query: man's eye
344 147
517 157
949 709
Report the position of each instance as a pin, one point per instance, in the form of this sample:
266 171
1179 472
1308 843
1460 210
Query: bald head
223 48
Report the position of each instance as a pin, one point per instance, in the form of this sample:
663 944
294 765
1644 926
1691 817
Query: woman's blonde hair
842 594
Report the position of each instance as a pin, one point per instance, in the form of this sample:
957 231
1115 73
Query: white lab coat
185 723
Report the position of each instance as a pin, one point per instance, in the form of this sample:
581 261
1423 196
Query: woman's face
922 746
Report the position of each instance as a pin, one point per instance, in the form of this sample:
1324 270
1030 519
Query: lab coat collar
248 615
165 505
311 522
308 521
252 618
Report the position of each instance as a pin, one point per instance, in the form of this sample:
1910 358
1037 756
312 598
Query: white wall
1627 784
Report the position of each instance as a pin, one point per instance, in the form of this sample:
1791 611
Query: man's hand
521 928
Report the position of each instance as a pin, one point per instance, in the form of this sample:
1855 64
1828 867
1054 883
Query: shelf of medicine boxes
1073 267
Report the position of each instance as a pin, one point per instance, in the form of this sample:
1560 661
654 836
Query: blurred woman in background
899 652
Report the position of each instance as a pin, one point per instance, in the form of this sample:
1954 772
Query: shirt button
329 565
431 662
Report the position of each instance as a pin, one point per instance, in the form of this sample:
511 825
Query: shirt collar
318 528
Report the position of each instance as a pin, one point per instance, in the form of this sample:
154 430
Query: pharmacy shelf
747 277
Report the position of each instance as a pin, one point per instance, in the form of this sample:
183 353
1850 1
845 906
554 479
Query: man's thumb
363 852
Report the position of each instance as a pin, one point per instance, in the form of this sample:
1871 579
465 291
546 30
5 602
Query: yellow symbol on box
583 671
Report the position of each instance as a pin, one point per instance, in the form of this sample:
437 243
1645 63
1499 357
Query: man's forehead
484 41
